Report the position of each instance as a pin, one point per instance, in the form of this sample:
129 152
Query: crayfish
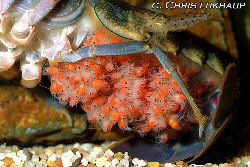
124 65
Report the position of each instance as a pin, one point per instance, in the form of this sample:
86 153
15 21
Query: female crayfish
125 65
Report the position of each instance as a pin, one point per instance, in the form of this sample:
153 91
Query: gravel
89 155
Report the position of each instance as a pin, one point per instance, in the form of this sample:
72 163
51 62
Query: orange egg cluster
133 91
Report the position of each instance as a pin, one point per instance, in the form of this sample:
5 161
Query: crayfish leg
170 67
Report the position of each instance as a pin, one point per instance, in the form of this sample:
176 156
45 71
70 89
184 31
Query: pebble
49 152
74 150
76 145
100 162
66 158
169 165
59 151
223 165
153 164
51 163
17 160
15 148
208 164
109 154
90 159
245 159
84 153
119 165
135 161
108 164
93 154
118 155
13 165
142 163
76 162
35 158
7 161
44 156
41 163
115 161
21 164
126 155
180 164
2 156
10 154
27 153
84 161
241 164
98 151
28 164
22 156
248 163
59 162
78 154
124 162
74 157
52 157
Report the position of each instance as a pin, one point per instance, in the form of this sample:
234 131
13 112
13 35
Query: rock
24 114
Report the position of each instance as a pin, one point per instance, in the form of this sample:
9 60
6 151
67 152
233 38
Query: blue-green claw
121 48
105 50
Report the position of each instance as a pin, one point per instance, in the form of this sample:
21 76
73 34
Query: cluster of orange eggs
133 91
